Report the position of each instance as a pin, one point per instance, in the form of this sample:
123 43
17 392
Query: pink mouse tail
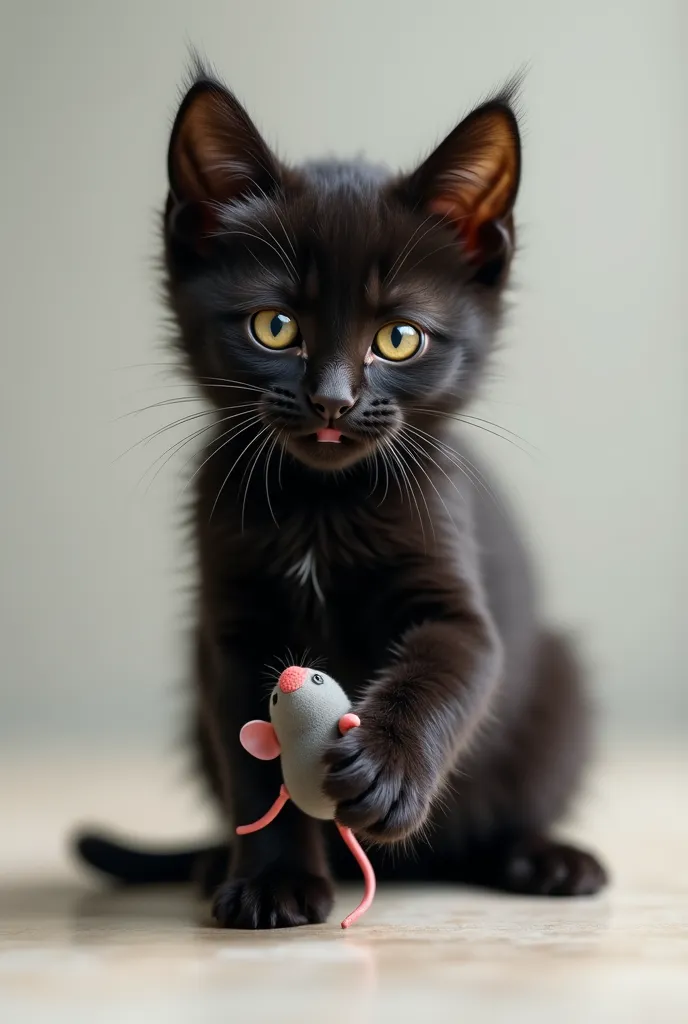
270 815
368 875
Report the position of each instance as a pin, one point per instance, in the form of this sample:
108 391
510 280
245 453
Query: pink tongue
329 434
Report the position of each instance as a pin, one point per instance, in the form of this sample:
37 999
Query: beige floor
71 952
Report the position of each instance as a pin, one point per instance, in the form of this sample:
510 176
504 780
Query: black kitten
337 319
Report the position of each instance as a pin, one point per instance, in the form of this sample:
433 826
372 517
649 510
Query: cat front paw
277 897
382 786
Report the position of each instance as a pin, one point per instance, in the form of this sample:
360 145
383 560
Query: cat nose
331 407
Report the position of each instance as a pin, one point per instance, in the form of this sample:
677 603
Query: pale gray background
593 367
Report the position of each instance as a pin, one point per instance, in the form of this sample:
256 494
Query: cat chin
329 458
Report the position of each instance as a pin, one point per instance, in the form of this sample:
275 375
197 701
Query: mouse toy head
303 704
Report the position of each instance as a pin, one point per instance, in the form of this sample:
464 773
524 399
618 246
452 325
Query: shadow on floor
89 909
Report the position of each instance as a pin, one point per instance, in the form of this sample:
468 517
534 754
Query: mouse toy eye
274 698
274 329
317 679
397 342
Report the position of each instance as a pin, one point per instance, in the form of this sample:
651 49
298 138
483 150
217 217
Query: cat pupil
397 337
277 323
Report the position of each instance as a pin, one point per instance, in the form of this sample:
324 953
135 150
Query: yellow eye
274 329
397 342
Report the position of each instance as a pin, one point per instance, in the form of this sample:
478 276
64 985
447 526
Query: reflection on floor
72 952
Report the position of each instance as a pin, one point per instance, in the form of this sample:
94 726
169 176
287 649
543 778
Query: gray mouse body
306 707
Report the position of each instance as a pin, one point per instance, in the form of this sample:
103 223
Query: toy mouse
307 709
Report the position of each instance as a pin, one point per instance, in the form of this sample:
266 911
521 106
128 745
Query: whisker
317 662
433 252
243 425
145 366
386 464
267 483
377 471
386 467
173 449
414 480
289 266
461 462
273 206
201 382
282 662
253 466
225 437
409 487
283 445
479 425
231 469
271 673
168 426
268 270
414 444
282 249
240 383
178 445
393 467
432 227
159 405
456 458
404 249
479 419
243 475
371 463
405 445
225 165
410 446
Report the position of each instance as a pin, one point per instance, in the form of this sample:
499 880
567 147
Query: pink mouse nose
292 678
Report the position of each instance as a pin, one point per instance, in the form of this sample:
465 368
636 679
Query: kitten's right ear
216 155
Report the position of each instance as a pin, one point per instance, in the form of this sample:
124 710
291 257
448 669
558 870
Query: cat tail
131 865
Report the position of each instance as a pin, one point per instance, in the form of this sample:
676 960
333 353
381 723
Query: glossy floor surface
71 951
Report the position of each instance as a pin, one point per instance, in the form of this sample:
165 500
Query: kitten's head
333 302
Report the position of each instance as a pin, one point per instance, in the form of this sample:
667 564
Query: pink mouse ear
260 739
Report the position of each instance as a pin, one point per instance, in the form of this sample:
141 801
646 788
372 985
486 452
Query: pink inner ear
260 739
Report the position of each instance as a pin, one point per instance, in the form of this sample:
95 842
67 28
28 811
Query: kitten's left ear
471 180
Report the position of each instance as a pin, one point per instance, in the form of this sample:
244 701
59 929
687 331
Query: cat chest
323 582
308 575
